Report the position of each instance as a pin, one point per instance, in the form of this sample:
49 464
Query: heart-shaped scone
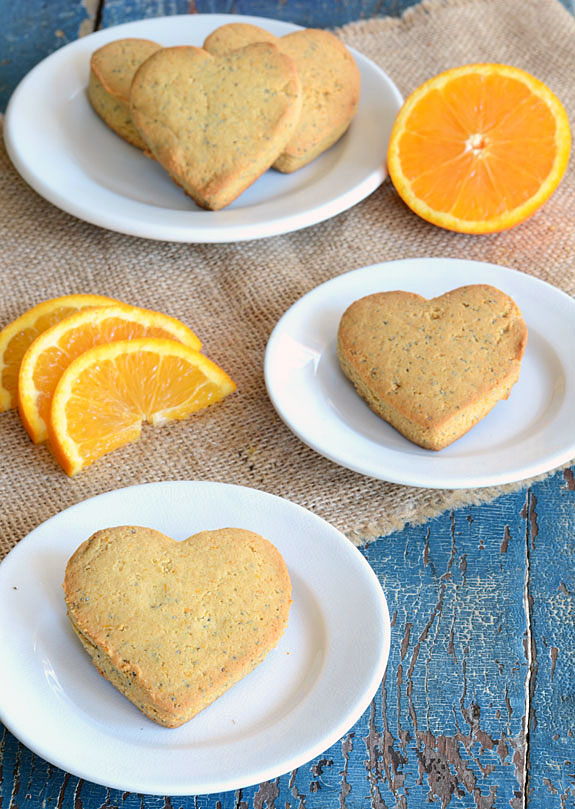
216 123
330 82
173 625
433 368
112 68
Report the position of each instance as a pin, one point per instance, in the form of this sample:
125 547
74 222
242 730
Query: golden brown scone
216 123
173 625
112 69
433 368
330 81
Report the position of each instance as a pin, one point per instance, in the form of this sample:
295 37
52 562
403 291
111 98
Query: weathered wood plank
453 728
551 519
320 13
32 30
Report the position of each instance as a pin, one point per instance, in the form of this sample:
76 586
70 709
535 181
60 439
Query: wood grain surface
478 703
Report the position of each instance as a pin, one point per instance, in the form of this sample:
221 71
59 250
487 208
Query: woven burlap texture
232 295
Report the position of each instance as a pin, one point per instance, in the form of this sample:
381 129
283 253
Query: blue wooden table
478 703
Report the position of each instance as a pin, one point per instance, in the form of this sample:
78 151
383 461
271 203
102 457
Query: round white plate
304 696
530 433
78 164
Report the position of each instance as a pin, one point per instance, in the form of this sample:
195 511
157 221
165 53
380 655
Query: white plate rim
429 276
235 223
77 761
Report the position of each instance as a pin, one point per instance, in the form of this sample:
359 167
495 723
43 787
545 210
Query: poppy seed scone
216 123
112 68
173 625
433 368
330 82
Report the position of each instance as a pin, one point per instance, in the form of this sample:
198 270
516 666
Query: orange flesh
52 363
477 161
18 345
110 399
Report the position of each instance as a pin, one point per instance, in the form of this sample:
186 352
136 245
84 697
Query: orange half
479 148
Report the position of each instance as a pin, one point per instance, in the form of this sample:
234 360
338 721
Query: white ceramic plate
531 433
79 165
305 695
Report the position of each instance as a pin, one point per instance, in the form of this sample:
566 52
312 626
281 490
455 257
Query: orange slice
106 393
16 337
479 148
50 354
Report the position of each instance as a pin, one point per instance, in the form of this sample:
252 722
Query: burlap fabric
232 295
